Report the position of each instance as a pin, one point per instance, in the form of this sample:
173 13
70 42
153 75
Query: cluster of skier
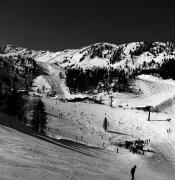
169 131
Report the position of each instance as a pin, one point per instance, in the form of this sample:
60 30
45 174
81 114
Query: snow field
124 123
152 93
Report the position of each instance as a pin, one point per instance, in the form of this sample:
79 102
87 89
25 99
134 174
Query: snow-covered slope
42 55
25 154
152 91
130 55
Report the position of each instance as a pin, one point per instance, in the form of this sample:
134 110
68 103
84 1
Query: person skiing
133 172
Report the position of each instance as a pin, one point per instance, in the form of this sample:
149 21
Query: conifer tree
12 102
0 94
105 124
39 120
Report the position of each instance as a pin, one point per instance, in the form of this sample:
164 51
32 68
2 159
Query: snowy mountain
100 65
128 56
42 55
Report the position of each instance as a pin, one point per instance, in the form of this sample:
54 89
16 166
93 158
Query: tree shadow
167 120
149 150
13 123
114 132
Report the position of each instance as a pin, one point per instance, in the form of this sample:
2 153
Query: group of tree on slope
13 100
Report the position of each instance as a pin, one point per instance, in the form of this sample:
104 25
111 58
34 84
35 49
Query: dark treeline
12 102
106 79
102 79
164 70
39 120
97 50
19 70
167 69
16 76
153 48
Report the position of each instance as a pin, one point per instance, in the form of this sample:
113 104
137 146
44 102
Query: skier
133 172
117 150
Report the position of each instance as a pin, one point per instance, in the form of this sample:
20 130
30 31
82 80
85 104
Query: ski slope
123 123
151 91
28 155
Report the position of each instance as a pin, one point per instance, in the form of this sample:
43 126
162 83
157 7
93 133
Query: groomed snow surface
152 91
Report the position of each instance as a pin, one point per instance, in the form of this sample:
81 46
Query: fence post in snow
111 100
149 114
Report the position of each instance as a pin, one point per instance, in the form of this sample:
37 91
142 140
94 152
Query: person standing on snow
133 172
117 149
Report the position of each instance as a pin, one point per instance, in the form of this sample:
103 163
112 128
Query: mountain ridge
129 56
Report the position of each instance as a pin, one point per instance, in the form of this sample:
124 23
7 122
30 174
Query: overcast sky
63 24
